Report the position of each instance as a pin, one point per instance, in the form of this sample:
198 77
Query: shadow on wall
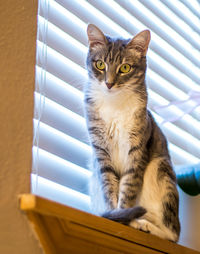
189 217
188 178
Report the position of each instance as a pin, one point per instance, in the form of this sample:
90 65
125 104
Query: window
61 151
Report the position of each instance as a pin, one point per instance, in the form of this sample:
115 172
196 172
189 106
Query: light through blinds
61 151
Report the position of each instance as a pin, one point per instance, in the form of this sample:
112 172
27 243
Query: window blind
61 151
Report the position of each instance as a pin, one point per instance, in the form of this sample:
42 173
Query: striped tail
126 215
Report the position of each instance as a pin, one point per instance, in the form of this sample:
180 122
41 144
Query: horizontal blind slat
62 119
59 193
181 157
186 123
63 43
184 13
170 73
172 20
65 20
61 66
179 137
165 89
87 13
61 145
193 6
60 171
60 92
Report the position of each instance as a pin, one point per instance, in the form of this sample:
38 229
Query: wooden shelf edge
28 202
33 204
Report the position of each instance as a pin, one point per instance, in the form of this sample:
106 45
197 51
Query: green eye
125 68
100 65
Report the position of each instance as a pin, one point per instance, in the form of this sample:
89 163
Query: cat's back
157 144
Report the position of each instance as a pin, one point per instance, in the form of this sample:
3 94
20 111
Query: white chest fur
117 111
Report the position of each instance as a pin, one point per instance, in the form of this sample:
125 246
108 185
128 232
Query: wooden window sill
63 229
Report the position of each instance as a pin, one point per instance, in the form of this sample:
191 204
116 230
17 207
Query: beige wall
17 64
190 220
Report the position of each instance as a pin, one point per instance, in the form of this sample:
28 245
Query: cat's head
116 63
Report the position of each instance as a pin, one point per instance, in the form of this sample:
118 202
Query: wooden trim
74 226
37 223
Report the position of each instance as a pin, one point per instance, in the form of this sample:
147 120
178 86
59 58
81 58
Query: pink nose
109 85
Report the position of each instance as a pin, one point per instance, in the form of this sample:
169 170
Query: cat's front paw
140 224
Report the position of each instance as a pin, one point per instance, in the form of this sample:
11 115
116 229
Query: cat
133 181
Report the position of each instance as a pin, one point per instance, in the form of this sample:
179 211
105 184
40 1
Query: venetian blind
61 151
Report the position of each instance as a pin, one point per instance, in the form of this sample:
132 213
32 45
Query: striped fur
133 180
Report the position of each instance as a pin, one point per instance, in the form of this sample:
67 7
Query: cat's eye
125 68
100 65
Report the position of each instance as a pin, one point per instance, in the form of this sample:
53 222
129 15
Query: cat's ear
140 42
95 37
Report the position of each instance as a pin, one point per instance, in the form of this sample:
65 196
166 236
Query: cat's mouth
110 90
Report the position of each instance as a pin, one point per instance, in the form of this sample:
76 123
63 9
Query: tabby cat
133 180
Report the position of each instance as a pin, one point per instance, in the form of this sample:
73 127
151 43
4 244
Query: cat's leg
170 200
106 176
104 187
110 186
159 197
130 185
108 179
100 203
131 180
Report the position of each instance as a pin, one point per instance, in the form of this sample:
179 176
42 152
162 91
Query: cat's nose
109 85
